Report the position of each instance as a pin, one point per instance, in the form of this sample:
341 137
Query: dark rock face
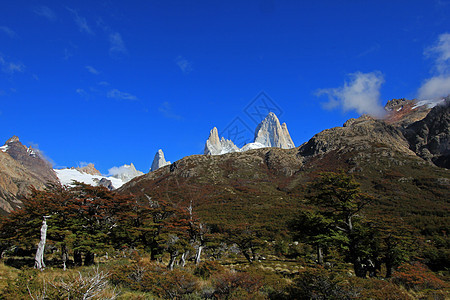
106 183
430 137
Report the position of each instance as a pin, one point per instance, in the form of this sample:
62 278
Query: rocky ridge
89 169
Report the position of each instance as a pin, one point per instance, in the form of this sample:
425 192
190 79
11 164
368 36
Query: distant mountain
30 158
89 169
21 168
216 146
90 175
125 172
159 161
269 133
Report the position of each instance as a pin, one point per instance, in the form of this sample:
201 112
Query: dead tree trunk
173 257
198 254
39 258
183 259
65 256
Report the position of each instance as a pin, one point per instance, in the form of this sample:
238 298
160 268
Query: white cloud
441 53
184 65
435 87
117 46
11 33
92 70
360 93
45 12
10 67
439 85
81 22
122 172
166 109
116 94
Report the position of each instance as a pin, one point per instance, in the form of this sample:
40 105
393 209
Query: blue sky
111 82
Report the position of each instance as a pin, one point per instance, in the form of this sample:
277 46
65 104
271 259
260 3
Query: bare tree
39 258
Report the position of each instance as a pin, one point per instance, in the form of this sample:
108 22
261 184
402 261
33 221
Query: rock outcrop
430 137
106 183
216 146
89 169
159 161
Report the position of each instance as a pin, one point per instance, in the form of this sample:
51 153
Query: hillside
264 186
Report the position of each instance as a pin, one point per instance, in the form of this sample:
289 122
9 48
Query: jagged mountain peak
13 139
216 146
159 161
272 134
269 133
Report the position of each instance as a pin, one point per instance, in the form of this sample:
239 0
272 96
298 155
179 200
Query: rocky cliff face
430 137
216 146
159 161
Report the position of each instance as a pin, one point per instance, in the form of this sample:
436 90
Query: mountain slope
264 186
21 168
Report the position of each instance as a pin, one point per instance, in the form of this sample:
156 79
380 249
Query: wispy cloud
10 67
41 153
82 93
81 22
11 33
92 70
184 65
438 85
361 93
45 12
117 46
166 109
116 94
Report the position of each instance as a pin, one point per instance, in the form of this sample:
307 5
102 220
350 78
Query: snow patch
428 103
68 176
4 148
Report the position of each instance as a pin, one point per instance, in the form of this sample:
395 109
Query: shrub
156 279
417 276
317 284
207 268
230 284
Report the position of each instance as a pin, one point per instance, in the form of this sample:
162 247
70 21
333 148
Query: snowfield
67 176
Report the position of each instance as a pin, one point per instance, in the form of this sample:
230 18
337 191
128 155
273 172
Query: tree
83 219
338 201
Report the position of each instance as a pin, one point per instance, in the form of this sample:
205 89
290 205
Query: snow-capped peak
269 133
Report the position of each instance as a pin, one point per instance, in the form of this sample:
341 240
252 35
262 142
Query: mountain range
414 135
402 159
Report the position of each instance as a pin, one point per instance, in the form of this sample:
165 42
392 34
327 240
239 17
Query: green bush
207 268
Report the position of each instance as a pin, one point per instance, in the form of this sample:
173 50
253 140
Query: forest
101 244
